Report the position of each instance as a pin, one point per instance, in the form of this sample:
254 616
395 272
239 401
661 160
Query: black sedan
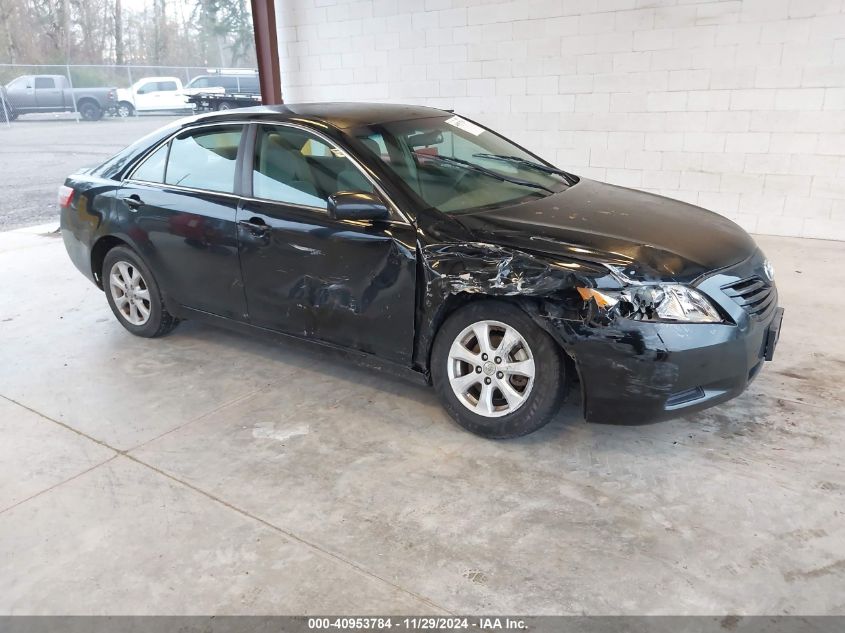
421 241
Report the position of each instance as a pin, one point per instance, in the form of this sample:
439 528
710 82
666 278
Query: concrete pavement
210 472
38 152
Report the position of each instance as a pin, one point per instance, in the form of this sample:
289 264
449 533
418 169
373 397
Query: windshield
455 165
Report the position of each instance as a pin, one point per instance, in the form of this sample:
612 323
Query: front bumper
633 372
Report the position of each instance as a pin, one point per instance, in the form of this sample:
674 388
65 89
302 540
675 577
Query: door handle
256 226
134 201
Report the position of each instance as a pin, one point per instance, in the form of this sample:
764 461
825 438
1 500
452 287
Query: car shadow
348 367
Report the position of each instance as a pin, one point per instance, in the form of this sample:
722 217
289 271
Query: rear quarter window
152 169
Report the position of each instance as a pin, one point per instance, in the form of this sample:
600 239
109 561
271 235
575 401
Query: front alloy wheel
491 368
125 110
497 373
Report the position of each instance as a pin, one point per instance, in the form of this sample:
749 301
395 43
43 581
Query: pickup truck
52 93
152 94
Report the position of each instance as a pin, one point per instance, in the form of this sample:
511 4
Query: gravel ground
37 152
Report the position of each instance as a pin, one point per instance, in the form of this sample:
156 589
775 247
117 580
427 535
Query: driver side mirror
357 205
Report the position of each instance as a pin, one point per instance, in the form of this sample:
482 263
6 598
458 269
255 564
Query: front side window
199 82
296 167
204 159
44 83
454 165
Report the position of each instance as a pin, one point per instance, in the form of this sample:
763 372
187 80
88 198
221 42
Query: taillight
65 196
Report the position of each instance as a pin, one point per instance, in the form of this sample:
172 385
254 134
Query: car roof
337 114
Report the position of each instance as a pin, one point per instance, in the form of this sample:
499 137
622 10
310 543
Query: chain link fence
87 76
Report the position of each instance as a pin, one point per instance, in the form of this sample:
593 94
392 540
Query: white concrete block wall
735 105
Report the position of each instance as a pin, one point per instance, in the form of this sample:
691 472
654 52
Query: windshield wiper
569 178
487 172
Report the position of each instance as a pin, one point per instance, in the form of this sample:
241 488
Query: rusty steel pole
267 50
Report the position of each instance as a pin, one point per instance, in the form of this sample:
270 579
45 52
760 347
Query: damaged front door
347 282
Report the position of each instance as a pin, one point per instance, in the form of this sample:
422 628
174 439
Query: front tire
6 113
133 294
497 373
125 109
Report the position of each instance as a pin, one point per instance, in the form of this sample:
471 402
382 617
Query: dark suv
232 84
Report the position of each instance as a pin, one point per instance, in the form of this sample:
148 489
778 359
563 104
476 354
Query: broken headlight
664 302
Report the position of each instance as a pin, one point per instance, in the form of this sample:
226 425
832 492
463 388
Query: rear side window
204 159
44 82
248 84
166 86
152 169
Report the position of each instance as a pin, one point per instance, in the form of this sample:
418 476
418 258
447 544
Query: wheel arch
531 306
83 100
98 255
453 275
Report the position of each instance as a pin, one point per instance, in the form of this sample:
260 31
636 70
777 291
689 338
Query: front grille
756 296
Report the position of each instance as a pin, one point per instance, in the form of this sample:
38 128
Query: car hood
648 237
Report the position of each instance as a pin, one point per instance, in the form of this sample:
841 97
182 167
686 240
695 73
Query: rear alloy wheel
130 292
497 373
133 294
90 111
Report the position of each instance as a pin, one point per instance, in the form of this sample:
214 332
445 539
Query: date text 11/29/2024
421 623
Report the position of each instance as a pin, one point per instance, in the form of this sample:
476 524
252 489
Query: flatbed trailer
209 102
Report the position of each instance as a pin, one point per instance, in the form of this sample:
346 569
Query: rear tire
226 105
514 387
134 295
90 111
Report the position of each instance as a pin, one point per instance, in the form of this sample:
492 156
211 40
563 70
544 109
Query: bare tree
173 32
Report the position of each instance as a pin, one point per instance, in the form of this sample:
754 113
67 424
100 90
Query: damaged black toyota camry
421 241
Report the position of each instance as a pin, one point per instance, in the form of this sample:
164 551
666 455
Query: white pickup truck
156 94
